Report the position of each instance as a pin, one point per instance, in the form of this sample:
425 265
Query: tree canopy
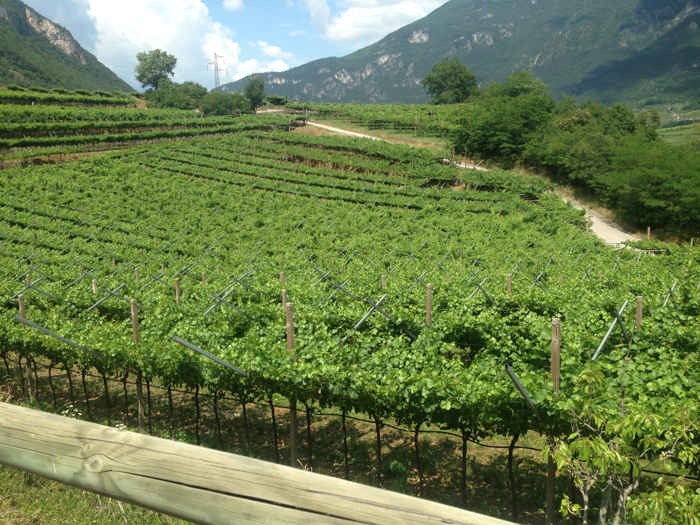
154 68
450 82
255 91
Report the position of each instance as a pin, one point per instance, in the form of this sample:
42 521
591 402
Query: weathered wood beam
199 484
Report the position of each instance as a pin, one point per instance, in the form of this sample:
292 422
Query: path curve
603 228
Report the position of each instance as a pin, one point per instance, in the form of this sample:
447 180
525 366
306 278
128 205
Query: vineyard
420 120
413 284
29 131
62 97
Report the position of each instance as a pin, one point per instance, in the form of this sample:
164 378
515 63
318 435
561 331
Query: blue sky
253 36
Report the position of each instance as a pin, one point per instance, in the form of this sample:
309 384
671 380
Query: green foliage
218 103
255 91
620 157
450 82
276 100
187 95
154 68
509 117
673 504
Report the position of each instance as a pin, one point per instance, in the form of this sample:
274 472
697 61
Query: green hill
37 52
606 50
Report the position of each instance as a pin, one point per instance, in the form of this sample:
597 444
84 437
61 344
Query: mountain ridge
34 51
572 45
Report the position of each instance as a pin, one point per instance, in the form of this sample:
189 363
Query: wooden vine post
509 285
429 306
551 465
27 362
177 290
383 282
640 308
94 286
139 374
293 426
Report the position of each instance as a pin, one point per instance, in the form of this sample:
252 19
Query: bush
276 100
218 103
60 91
38 89
83 92
13 87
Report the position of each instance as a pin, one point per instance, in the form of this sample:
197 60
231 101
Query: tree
450 82
255 91
154 68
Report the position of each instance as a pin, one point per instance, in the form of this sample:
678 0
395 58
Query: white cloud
298 32
234 5
183 28
319 11
362 22
273 51
253 66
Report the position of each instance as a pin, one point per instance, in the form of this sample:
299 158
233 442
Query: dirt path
604 228
363 136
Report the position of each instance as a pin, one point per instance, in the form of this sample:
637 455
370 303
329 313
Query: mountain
34 51
628 51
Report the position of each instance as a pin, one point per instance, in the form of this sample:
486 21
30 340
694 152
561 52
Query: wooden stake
135 320
293 425
204 278
640 308
429 306
29 283
22 311
551 465
648 232
561 278
283 280
177 290
284 298
94 286
556 352
509 285
114 263
136 272
282 261
218 269
383 282
601 276
139 375
342 269
447 278
28 368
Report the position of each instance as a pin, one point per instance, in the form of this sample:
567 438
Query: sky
252 36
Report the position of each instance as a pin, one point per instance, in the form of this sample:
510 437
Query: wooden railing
200 484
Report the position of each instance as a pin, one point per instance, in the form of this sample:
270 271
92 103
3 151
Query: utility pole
217 69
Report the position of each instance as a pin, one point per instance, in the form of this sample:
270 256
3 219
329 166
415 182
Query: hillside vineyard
360 229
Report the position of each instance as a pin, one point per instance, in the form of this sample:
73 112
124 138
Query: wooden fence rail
200 484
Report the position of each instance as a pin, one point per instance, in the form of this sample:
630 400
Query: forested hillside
634 52
37 52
